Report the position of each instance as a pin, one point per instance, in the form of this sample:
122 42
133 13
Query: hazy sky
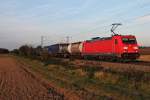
25 21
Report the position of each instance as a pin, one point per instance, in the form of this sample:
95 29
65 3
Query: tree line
4 51
32 52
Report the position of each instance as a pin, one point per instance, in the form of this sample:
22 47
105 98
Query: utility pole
42 40
67 39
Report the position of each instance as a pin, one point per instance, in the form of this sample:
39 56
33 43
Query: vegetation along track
144 63
17 84
143 66
94 80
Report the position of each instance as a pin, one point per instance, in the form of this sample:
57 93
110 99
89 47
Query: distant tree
37 52
26 50
15 51
3 51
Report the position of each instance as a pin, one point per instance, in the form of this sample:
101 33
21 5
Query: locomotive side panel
98 47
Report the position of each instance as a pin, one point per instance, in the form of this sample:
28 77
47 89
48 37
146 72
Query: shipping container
53 49
58 48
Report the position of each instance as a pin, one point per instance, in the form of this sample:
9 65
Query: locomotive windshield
129 40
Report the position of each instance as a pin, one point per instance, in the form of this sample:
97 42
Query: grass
108 85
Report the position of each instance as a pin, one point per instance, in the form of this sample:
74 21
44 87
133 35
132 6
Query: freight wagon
60 50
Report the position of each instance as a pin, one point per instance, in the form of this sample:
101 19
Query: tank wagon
75 49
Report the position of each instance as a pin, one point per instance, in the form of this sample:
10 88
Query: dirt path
17 84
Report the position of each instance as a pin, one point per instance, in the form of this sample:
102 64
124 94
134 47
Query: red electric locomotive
117 46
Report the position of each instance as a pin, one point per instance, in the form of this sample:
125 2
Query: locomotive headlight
135 48
125 48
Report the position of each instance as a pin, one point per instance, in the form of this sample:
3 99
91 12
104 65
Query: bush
91 71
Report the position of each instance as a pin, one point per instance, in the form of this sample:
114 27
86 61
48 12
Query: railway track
144 63
117 66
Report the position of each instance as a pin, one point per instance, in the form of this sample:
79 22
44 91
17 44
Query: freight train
114 47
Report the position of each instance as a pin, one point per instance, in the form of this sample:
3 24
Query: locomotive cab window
129 40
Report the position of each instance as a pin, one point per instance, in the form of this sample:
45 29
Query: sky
25 21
